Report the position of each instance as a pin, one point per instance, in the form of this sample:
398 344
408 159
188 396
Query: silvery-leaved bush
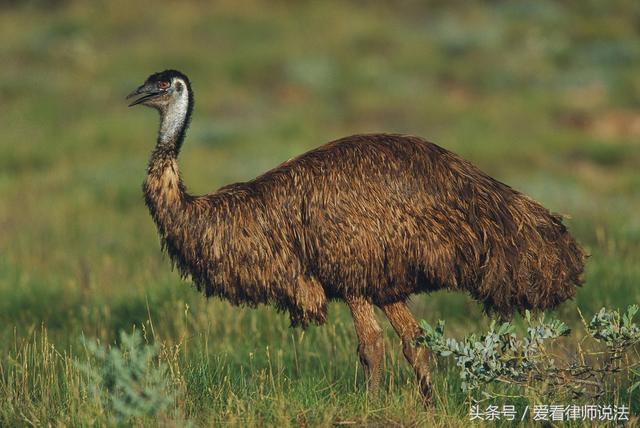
615 330
501 355
126 379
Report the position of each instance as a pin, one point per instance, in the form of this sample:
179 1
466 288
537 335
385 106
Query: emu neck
164 192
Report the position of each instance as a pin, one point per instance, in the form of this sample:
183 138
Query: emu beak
142 90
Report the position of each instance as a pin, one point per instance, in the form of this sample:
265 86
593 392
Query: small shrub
500 355
126 379
618 332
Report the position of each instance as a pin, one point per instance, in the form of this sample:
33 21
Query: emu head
162 90
170 93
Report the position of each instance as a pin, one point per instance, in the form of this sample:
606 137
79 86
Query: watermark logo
550 412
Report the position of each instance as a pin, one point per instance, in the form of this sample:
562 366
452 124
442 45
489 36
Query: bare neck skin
174 119
164 192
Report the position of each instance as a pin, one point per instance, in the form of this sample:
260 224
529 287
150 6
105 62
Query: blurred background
543 95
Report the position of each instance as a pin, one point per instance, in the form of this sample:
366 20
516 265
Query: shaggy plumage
384 216
371 218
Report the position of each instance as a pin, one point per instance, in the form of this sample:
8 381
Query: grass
541 95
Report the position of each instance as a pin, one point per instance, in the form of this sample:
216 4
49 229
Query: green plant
617 331
126 379
500 355
497 355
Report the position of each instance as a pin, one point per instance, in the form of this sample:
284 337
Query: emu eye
163 85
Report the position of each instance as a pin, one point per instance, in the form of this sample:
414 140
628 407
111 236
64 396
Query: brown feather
377 216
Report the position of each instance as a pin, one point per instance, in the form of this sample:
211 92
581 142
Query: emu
367 219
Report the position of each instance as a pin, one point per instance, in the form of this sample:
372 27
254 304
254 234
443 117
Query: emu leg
407 328
370 343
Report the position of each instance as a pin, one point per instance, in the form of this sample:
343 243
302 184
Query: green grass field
543 95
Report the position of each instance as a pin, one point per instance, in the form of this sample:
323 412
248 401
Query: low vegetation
500 355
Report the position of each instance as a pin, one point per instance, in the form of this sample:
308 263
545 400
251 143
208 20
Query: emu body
367 219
